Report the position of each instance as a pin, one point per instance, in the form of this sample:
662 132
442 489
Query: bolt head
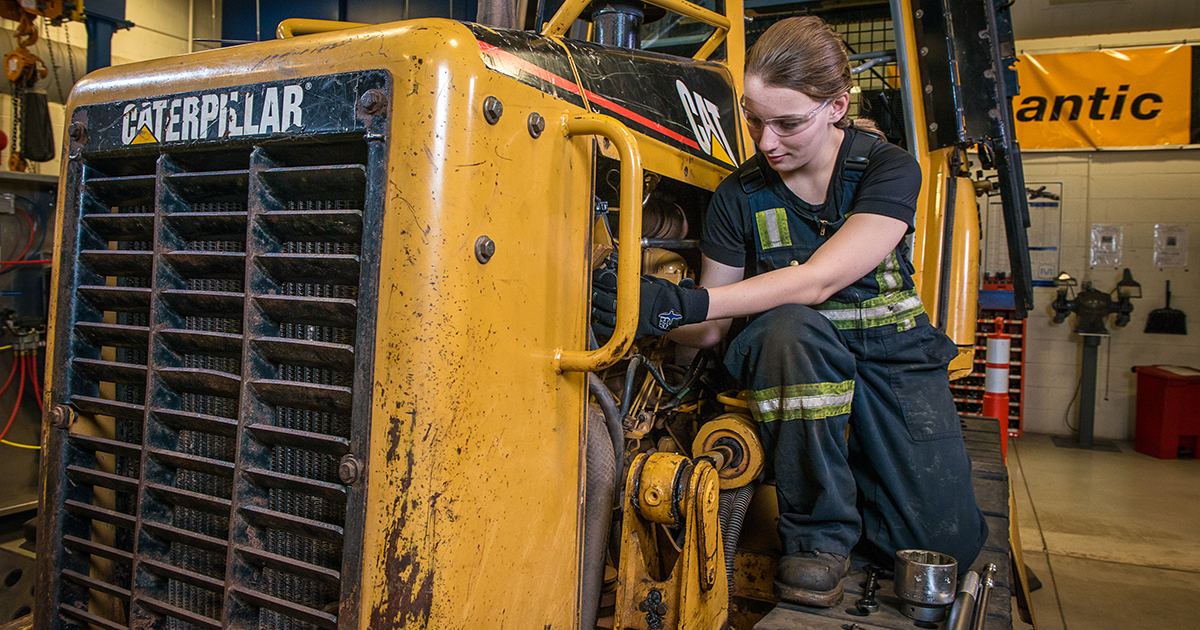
374 102
537 124
485 248
77 131
493 109
349 470
60 417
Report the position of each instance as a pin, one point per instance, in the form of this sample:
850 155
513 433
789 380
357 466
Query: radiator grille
216 327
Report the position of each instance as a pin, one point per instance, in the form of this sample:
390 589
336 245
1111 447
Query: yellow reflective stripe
887 274
773 228
810 401
893 308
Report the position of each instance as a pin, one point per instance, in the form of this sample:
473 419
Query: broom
1167 320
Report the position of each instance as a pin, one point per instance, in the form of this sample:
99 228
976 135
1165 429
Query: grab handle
629 257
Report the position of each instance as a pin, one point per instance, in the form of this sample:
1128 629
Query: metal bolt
61 416
349 470
537 124
374 102
485 248
919 13
924 50
933 127
493 109
78 132
929 88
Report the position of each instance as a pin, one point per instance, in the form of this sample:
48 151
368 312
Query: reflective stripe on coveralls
900 309
811 401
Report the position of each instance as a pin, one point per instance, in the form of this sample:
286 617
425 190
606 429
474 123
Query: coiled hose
731 514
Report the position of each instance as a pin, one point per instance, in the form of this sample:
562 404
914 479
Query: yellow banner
1105 98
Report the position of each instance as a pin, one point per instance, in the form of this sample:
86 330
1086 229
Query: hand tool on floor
1167 320
868 604
986 581
962 612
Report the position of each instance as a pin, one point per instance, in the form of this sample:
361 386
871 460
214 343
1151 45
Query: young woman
807 239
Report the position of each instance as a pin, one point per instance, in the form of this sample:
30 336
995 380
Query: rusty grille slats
260 558
191 577
284 607
208 264
203 342
102 479
202 303
96 585
182 420
100 514
300 395
116 447
115 335
88 618
308 528
294 483
186 498
120 227
339 312
118 263
299 267
114 408
191 462
182 614
228 509
90 548
117 299
307 353
187 537
307 440
333 225
111 371
199 381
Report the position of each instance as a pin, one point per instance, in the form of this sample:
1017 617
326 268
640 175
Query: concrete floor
1114 537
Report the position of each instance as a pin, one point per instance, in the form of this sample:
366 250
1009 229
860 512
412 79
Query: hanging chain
54 64
70 54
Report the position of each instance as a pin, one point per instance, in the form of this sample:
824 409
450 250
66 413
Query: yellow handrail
293 27
629 258
572 9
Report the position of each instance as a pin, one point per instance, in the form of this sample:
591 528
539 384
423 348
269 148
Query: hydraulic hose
601 481
612 420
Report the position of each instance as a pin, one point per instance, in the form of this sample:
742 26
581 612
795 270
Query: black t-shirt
889 186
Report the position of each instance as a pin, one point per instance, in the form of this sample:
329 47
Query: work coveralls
869 358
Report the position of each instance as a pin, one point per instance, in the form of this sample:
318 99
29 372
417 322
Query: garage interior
1112 534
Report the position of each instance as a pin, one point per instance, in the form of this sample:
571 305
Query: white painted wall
1136 189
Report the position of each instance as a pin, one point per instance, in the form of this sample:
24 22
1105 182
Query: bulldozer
320 353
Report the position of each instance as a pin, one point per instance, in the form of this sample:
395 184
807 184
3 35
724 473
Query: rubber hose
601 479
630 373
739 505
612 419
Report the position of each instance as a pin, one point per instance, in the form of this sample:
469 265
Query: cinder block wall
1136 189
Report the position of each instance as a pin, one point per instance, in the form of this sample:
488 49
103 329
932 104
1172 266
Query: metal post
1087 390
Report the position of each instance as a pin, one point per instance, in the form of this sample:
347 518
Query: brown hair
804 54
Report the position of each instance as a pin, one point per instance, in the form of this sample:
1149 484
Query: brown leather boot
811 578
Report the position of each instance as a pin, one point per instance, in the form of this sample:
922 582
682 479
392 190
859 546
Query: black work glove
665 305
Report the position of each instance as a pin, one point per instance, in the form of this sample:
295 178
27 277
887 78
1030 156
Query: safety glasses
785 125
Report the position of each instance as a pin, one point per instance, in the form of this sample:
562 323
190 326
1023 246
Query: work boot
811 578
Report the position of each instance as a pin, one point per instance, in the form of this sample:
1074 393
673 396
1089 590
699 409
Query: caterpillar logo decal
310 105
705 119
216 115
